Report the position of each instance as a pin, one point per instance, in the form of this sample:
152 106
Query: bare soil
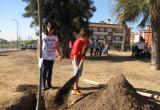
19 73
118 94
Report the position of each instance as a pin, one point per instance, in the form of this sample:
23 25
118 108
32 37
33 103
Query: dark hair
51 27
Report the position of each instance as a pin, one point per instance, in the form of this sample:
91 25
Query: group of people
139 49
97 48
50 45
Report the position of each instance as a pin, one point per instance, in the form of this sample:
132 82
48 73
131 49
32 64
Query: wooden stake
149 95
157 97
91 82
40 55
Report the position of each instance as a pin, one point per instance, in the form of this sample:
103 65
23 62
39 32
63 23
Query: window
108 37
94 36
98 37
109 30
101 37
95 29
117 38
119 30
105 29
101 29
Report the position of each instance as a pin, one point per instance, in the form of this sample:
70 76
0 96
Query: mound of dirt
117 95
58 100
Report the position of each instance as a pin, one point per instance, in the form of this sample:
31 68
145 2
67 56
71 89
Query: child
105 51
92 46
77 57
49 46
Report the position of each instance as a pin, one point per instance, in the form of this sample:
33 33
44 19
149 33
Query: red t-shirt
78 48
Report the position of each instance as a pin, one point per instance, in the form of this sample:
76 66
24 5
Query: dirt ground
19 71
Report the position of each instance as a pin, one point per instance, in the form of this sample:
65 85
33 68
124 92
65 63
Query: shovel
65 89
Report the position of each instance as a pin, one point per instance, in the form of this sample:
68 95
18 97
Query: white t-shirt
49 46
140 45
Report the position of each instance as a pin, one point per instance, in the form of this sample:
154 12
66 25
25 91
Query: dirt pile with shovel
118 94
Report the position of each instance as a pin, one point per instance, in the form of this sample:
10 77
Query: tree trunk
155 59
124 42
39 97
65 49
65 46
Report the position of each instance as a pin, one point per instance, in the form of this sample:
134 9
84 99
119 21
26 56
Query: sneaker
77 92
44 89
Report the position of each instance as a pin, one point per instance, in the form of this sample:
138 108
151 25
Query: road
6 49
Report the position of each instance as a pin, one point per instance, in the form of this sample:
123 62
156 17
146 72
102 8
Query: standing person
106 48
96 48
92 46
77 57
140 45
101 47
49 47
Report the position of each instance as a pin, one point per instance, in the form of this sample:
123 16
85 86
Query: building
146 34
109 33
3 41
134 37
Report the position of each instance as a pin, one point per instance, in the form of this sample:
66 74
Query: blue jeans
47 66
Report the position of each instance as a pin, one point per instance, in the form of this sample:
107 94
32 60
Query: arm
58 50
75 60
81 62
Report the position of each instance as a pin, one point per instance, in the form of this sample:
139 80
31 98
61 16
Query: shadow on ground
91 88
116 58
3 55
27 87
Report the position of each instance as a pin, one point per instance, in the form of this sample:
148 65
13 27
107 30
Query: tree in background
147 11
68 16
117 11
125 36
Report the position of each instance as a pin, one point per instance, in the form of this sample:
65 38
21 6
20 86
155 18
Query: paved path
6 50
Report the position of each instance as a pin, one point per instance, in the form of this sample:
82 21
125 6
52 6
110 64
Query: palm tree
124 42
123 23
147 12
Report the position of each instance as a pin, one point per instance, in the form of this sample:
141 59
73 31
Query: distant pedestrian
92 46
96 48
134 50
140 45
49 47
106 48
101 47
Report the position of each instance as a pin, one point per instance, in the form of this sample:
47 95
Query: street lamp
17 30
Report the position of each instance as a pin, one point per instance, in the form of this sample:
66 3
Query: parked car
30 46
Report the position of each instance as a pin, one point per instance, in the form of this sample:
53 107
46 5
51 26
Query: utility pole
39 97
17 30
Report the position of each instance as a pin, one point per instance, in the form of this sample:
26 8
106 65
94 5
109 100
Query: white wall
136 38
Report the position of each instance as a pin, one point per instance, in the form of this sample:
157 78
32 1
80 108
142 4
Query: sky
103 10
13 9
